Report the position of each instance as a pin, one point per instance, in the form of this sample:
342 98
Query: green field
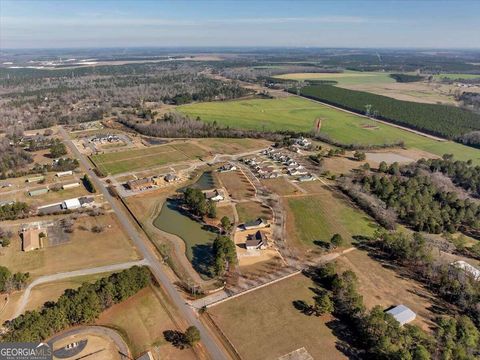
133 160
456 76
318 217
343 78
299 114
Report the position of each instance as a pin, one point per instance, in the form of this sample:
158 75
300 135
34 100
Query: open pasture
265 325
344 78
132 160
299 114
237 185
318 216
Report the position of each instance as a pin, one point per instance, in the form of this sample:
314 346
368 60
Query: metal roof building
402 314
71 204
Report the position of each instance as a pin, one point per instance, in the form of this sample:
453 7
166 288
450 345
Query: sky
315 23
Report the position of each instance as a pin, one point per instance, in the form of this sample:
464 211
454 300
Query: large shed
71 204
402 314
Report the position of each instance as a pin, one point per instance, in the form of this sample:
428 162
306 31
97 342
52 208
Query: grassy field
252 210
265 325
456 76
237 185
85 249
132 160
298 114
142 319
280 186
344 78
198 241
317 217
231 146
380 285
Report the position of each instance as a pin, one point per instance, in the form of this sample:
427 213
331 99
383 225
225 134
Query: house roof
256 222
31 239
402 314
72 203
256 239
139 182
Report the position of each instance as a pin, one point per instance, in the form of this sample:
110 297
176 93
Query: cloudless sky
341 23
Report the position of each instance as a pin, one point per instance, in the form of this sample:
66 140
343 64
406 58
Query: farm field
131 160
381 285
318 216
265 325
452 76
298 114
84 249
344 78
252 210
141 320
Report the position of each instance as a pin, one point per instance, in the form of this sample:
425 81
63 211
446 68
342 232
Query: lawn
299 114
264 324
317 217
141 320
343 78
132 160
198 240
252 210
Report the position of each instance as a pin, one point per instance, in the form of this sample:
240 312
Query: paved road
70 274
216 352
97 330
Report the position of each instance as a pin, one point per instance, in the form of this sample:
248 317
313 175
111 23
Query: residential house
31 238
256 241
255 224
140 184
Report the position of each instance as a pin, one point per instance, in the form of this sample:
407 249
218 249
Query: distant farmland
298 114
343 78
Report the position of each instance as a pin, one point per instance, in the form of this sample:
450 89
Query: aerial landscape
239 180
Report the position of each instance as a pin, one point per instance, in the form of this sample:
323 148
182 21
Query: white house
256 241
402 314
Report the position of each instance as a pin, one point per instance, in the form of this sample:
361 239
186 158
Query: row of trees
17 210
443 120
379 335
76 307
224 254
10 282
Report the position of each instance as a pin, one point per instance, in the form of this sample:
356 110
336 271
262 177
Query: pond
198 239
206 181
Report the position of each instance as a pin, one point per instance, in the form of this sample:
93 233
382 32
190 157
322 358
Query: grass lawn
265 325
252 210
132 160
344 78
299 114
142 319
318 217
198 241
85 249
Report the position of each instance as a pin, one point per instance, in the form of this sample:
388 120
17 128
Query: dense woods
76 307
405 78
442 120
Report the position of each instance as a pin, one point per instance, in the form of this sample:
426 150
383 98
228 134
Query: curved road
216 351
98 330
65 275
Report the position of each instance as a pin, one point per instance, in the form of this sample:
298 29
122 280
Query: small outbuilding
37 192
70 186
64 173
35 179
402 314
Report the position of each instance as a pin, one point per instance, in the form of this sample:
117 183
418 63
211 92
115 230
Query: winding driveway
22 303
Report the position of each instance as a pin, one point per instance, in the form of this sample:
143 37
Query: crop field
132 160
317 217
298 114
343 78
264 324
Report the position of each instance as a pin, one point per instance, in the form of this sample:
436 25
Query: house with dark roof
256 241
255 224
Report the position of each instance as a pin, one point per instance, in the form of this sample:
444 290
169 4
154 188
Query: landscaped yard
265 325
317 217
299 114
131 160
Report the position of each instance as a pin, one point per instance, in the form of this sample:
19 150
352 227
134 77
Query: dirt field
85 249
142 319
265 325
381 285
281 186
252 210
237 185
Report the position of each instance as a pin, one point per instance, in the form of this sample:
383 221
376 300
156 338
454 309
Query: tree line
442 120
76 307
